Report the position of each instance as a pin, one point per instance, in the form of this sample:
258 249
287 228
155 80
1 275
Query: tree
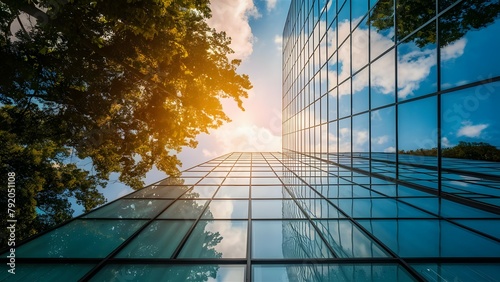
454 24
123 84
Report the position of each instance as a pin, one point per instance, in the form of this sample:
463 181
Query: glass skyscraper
390 169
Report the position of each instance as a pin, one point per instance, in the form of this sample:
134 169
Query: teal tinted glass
378 208
227 209
157 191
130 208
158 240
201 192
347 240
319 208
81 239
275 209
269 192
184 209
49 272
170 273
233 192
331 272
458 271
217 239
430 238
287 239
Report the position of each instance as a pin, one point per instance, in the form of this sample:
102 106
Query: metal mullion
248 273
101 264
375 239
308 218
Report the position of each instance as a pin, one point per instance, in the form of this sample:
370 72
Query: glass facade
390 169
269 217
406 91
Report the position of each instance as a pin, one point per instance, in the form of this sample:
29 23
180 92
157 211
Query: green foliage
454 24
124 84
464 150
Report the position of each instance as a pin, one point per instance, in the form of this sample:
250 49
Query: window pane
233 192
217 239
430 238
170 273
331 272
417 60
286 239
275 209
128 208
319 208
158 240
99 238
458 271
472 53
269 192
347 240
227 209
156 191
379 208
49 272
201 192
184 209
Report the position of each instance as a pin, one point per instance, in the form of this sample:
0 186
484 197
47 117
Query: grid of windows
389 172
404 90
251 217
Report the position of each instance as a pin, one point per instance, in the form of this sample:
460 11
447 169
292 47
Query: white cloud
470 130
445 142
270 4
232 16
381 140
238 137
454 50
278 40
360 137
413 66
390 150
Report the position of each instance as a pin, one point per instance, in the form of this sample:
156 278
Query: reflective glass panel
469 50
269 192
383 80
99 237
227 209
184 209
233 192
319 208
458 271
417 132
217 239
128 208
286 239
347 240
49 272
331 272
381 27
171 273
201 192
379 208
430 238
275 209
157 240
155 191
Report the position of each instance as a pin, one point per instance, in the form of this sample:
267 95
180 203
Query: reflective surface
325 223
80 239
331 272
412 91
217 239
172 273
